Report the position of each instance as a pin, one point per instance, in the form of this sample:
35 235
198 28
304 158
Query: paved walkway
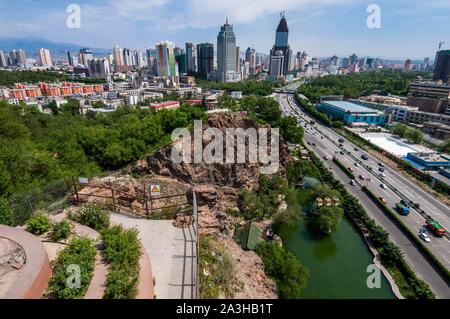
172 255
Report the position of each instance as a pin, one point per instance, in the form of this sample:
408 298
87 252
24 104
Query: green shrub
6 214
80 252
123 251
121 285
93 215
38 224
61 230
217 270
289 274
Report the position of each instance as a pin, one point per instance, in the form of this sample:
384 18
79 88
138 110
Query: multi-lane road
325 143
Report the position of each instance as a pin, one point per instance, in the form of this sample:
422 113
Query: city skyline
324 28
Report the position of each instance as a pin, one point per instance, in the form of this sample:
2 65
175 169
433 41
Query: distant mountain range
57 49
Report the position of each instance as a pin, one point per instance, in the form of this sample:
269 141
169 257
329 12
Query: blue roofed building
351 113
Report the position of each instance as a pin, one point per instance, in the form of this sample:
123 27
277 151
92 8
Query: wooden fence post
113 198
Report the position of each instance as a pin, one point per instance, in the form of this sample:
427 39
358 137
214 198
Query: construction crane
440 45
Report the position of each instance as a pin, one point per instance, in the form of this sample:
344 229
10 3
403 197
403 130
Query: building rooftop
349 107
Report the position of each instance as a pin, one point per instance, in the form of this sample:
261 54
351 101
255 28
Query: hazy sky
409 28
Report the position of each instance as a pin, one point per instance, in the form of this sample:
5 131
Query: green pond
337 262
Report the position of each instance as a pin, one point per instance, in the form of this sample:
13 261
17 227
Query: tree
329 217
290 130
400 129
289 274
414 135
6 214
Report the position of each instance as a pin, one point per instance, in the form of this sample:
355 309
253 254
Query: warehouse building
351 113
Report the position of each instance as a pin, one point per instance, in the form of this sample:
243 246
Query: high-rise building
226 54
138 59
408 65
238 59
277 64
73 58
18 57
151 61
180 59
98 68
353 59
4 60
250 57
442 66
45 58
205 59
282 44
191 58
127 57
84 56
335 61
118 58
165 58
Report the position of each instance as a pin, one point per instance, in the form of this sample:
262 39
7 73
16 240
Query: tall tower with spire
282 44
226 53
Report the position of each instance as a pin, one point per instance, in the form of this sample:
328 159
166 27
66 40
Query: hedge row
428 254
73 269
390 254
343 168
122 251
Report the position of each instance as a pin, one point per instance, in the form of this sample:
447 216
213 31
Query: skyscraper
151 61
98 68
191 58
205 54
73 58
277 64
85 55
4 60
442 66
138 58
165 58
282 44
127 57
18 57
226 54
250 57
44 57
118 58
238 59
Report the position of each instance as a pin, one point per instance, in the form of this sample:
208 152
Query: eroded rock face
233 175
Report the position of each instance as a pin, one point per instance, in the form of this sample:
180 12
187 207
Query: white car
352 182
383 186
425 237
382 174
356 164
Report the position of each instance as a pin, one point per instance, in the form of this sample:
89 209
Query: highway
324 142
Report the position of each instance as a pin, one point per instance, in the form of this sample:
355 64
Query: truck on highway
435 228
403 207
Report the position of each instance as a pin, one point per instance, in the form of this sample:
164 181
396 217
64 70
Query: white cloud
204 13
138 9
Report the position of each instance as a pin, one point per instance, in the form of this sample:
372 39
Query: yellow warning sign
155 190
